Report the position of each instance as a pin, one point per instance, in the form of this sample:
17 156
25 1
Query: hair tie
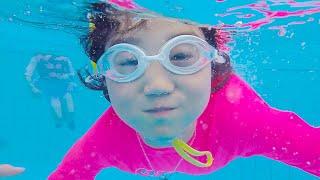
92 26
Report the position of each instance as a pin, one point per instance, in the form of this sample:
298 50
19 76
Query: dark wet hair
105 24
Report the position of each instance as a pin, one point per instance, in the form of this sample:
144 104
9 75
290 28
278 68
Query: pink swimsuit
236 123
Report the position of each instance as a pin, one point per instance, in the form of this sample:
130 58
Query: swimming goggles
184 54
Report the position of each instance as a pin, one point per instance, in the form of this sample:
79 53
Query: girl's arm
285 137
87 157
279 135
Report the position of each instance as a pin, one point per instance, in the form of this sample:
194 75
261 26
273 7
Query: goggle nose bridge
148 59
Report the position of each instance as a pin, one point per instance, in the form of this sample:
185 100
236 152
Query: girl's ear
221 58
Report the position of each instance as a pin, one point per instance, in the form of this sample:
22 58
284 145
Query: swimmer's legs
56 105
69 101
70 107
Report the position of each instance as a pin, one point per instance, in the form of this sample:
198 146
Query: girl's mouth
161 111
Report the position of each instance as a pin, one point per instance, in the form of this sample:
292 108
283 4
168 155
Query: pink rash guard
235 123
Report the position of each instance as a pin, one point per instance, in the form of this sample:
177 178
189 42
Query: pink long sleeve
87 157
279 135
285 137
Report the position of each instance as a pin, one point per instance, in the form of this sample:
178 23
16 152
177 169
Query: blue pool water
284 70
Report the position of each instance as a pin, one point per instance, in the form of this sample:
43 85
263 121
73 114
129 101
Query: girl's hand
9 170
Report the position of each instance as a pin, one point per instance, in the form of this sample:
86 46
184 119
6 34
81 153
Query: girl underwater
173 94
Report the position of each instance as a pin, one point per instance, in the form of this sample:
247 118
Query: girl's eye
125 58
180 57
129 62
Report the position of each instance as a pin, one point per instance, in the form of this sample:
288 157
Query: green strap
183 149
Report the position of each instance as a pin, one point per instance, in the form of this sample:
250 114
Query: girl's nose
158 80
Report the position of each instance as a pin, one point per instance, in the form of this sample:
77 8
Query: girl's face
186 96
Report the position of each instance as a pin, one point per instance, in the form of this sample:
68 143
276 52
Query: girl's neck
163 143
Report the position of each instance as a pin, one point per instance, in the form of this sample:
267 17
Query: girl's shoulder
111 124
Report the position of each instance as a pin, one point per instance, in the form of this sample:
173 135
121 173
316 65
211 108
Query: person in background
54 77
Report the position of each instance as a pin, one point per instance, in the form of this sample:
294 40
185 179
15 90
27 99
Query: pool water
280 60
